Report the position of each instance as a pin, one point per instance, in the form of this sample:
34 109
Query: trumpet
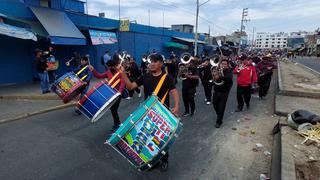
183 66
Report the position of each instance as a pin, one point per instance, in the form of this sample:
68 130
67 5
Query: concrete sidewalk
24 100
298 89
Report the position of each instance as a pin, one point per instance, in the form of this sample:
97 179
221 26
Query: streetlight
196 34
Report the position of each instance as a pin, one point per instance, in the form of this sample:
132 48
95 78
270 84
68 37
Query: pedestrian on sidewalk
109 74
105 58
150 81
222 83
246 76
42 69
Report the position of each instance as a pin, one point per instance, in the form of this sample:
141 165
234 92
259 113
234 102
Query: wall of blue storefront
17 55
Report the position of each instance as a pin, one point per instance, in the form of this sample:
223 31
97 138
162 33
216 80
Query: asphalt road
309 62
63 145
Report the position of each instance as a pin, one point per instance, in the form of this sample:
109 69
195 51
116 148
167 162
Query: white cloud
222 15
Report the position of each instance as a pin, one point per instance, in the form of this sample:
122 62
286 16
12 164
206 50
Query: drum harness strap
79 72
113 78
156 91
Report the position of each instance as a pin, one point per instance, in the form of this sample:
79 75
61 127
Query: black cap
156 57
111 63
243 57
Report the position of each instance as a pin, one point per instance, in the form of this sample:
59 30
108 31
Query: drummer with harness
157 82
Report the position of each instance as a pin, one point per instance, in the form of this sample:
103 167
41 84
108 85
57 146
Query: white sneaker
139 95
208 103
128 98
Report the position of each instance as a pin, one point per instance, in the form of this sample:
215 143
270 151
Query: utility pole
196 34
253 29
244 14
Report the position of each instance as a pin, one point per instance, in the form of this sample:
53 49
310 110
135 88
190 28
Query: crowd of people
215 74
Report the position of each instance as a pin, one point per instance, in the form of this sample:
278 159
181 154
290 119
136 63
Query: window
279 39
267 42
267 39
272 46
278 46
190 30
279 42
284 45
266 46
273 39
272 42
285 39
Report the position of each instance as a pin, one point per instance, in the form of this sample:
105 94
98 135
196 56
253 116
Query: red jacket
246 76
120 87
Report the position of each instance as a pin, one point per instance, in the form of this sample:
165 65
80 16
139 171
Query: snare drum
98 100
145 137
68 86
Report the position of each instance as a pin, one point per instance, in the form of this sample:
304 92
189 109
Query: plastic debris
259 145
264 177
253 131
267 153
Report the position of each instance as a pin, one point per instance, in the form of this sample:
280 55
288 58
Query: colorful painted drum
145 137
68 86
98 100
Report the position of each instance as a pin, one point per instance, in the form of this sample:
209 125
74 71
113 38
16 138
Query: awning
175 45
189 40
59 27
17 32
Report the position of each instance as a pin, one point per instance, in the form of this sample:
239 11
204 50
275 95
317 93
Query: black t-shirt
190 83
150 83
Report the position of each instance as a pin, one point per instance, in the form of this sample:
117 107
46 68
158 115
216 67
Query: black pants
219 101
243 95
207 86
52 76
134 90
264 84
114 112
188 100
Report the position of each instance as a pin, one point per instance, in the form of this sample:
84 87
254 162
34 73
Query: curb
30 97
296 93
37 112
287 162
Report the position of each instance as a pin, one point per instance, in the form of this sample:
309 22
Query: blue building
64 25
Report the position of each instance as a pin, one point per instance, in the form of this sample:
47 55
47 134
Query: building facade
186 28
271 40
64 25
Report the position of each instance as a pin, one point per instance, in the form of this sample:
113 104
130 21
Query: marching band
159 77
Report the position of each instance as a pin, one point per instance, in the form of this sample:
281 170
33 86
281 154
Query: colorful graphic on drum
67 83
148 137
147 134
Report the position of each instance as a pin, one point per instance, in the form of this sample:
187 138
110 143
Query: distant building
271 40
186 28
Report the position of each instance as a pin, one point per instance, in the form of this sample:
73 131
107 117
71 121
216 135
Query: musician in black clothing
206 79
189 89
134 73
172 67
222 83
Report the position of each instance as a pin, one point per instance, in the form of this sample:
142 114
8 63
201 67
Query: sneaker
208 103
139 95
164 166
218 125
185 114
128 98
77 111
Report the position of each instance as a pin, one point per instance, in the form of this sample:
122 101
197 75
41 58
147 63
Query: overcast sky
223 16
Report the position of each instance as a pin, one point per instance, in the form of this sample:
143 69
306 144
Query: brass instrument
125 60
216 69
183 66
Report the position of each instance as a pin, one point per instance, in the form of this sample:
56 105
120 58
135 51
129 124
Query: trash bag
302 116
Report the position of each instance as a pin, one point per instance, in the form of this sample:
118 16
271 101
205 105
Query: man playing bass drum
222 83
